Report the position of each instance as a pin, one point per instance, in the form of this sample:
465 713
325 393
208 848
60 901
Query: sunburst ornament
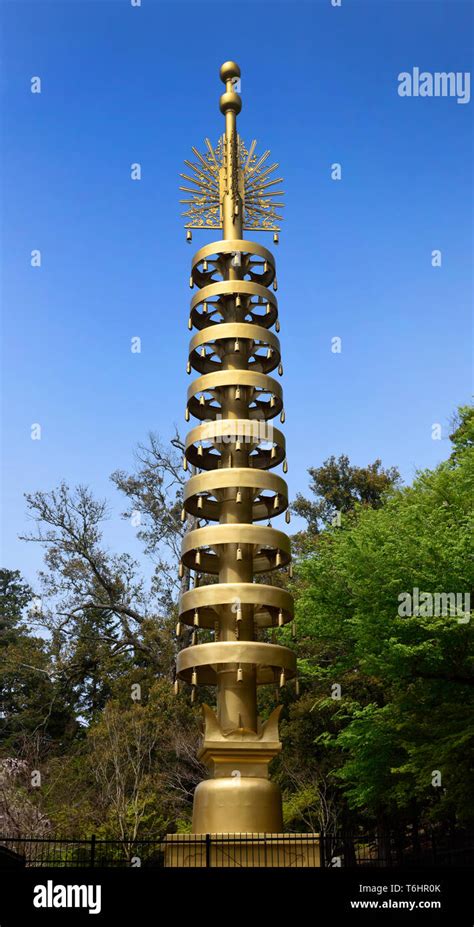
261 202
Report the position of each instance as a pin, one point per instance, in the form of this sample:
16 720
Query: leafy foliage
406 681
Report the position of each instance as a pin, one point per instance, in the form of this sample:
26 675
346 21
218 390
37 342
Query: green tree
406 675
32 697
339 487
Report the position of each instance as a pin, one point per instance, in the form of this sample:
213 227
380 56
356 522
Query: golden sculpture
233 451
254 178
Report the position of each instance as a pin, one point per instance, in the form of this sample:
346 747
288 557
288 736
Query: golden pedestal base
237 804
234 851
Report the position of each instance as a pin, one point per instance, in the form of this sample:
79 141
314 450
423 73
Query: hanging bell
238 301
240 673
239 553
191 281
280 370
194 638
190 323
280 619
236 345
176 687
290 571
278 559
198 558
275 284
267 311
287 516
196 618
285 466
186 415
276 501
282 416
193 696
185 463
199 450
238 615
204 308
204 265
178 629
238 496
275 238
238 445
293 630
194 677
282 679
199 502
269 353
237 392
203 351
188 367
265 267
272 401
277 325
181 571
183 515
189 235
297 686
273 452
202 401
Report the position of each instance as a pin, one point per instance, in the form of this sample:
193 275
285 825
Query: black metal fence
241 850
429 848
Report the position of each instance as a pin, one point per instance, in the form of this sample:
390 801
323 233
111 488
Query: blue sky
123 84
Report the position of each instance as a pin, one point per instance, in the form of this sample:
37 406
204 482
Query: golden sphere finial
229 70
230 102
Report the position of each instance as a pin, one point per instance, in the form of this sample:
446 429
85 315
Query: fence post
92 861
208 851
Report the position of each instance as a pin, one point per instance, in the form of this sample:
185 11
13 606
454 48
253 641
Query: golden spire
234 447
230 161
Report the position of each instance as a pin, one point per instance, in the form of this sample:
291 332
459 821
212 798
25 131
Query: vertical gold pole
236 700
